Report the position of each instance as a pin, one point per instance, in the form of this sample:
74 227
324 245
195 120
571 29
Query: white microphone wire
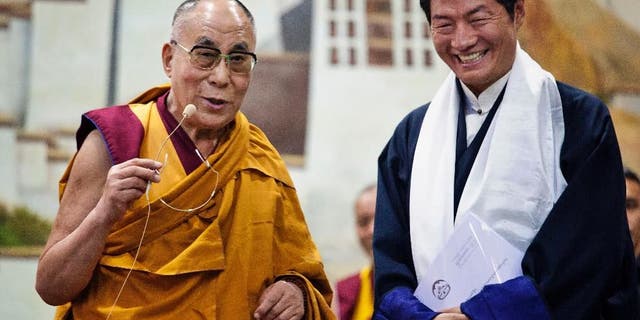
189 110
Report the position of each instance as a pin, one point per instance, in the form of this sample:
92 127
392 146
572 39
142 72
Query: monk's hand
451 314
125 183
282 301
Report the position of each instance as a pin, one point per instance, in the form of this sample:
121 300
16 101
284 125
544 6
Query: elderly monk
536 160
170 211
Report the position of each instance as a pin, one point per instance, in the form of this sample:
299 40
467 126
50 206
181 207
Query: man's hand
451 314
282 301
125 183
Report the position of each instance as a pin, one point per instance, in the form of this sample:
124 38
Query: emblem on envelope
440 289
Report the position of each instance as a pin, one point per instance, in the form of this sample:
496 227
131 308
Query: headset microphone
189 110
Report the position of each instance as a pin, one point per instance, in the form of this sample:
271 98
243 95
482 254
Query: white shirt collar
485 101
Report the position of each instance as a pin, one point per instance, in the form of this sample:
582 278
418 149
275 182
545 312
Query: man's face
217 93
633 213
476 38
365 213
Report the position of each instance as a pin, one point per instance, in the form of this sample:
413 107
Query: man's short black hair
629 174
507 4
190 4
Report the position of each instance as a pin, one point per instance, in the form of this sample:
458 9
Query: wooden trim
293 160
16 8
65 132
8 121
4 21
56 155
32 136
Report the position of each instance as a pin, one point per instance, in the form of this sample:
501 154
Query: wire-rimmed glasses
207 58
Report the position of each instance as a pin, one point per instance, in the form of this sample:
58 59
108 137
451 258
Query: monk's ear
167 58
518 13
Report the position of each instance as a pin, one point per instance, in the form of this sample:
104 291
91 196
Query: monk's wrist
300 284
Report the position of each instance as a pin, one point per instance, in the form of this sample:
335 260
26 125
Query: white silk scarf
515 179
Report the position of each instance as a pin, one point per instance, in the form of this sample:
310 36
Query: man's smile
471 58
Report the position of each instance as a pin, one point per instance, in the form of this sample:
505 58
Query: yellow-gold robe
213 263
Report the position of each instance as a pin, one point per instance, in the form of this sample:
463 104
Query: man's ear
518 14
167 58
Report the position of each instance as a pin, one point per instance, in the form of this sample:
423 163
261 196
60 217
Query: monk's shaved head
188 5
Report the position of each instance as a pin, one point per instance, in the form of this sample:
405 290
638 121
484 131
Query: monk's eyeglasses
207 58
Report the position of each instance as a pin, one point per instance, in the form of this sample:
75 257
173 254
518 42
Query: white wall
49 197
629 102
8 165
5 107
625 9
13 61
70 58
19 59
33 176
144 28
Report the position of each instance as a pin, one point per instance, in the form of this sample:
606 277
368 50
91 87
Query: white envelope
474 256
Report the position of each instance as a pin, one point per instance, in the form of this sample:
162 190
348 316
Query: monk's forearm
66 267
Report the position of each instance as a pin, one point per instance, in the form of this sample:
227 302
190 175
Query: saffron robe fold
212 263
579 265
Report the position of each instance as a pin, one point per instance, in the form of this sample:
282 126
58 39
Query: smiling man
175 206
536 160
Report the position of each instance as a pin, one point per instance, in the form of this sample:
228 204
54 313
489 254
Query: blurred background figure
355 292
633 214
633 208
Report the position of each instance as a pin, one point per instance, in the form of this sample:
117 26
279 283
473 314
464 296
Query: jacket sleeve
395 278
